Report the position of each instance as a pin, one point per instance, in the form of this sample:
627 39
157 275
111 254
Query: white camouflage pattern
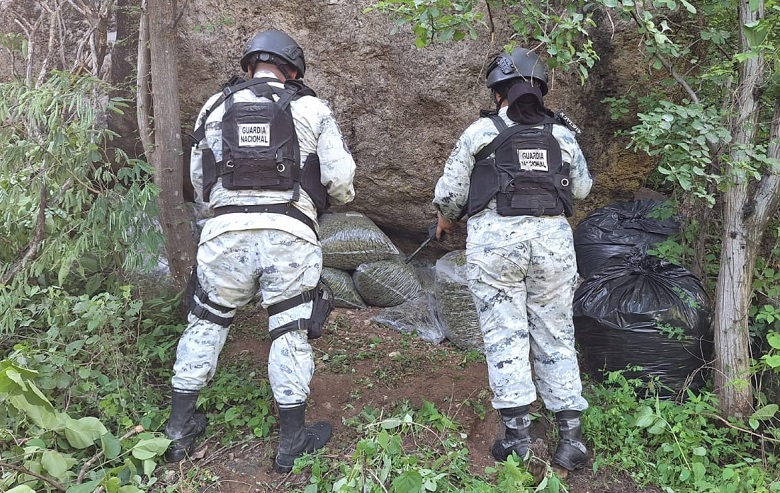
278 257
522 273
317 131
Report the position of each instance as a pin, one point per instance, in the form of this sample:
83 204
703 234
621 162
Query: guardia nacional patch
254 134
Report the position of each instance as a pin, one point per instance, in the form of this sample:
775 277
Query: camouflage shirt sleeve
337 166
581 181
196 154
452 190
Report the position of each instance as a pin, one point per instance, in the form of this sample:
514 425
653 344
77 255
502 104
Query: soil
360 363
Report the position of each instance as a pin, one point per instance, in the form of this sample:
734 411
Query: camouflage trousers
523 293
232 268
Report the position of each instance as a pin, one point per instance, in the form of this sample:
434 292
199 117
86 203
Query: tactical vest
260 145
527 175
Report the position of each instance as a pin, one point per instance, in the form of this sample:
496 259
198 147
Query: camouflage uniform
522 273
280 257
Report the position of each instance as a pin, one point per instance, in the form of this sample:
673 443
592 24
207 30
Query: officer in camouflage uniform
517 191
255 163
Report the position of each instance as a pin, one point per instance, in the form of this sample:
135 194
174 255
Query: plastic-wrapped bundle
344 293
349 239
618 228
386 282
415 315
455 305
642 311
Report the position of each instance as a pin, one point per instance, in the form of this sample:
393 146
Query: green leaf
690 8
657 428
63 272
113 485
23 488
56 464
390 423
129 489
771 360
151 447
774 339
84 432
766 412
88 487
755 33
149 467
42 415
408 482
111 445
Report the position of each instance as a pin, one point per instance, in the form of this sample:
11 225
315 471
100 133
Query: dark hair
502 88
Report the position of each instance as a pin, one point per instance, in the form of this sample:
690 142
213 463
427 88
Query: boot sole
278 468
570 465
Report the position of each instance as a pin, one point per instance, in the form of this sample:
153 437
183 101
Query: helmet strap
284 71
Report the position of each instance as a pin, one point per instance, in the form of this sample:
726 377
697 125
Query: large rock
402 108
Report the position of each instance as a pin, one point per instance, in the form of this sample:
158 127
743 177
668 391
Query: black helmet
521 63
275 43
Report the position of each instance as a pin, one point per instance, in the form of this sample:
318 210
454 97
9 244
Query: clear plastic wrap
414 316
454 304
344 293
386 282
350 238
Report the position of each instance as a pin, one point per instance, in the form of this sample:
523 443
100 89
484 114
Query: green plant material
681 447
69 211
344 293
433 21
59 446
386 282
350 238
241 401
415 451
455 305
772 357
681 136
674 333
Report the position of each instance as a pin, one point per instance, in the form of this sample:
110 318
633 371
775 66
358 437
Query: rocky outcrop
400 108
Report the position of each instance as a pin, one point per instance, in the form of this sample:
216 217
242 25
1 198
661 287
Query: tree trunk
166 157
122 77
741 237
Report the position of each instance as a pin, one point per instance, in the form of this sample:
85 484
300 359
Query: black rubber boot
295 439
184 425
571 453
517 438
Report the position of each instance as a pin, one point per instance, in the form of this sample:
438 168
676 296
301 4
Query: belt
286 209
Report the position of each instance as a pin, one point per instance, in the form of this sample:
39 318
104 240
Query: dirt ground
361 363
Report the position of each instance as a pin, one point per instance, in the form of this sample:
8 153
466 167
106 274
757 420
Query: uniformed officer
269 155
515 172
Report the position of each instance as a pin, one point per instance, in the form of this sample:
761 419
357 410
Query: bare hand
445 226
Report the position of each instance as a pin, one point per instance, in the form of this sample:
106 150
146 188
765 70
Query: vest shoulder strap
505 133
228 90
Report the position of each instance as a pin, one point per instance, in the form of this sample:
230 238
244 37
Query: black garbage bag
617 229
642 311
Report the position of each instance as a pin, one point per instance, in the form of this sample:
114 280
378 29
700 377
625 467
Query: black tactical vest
527 176
260 146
